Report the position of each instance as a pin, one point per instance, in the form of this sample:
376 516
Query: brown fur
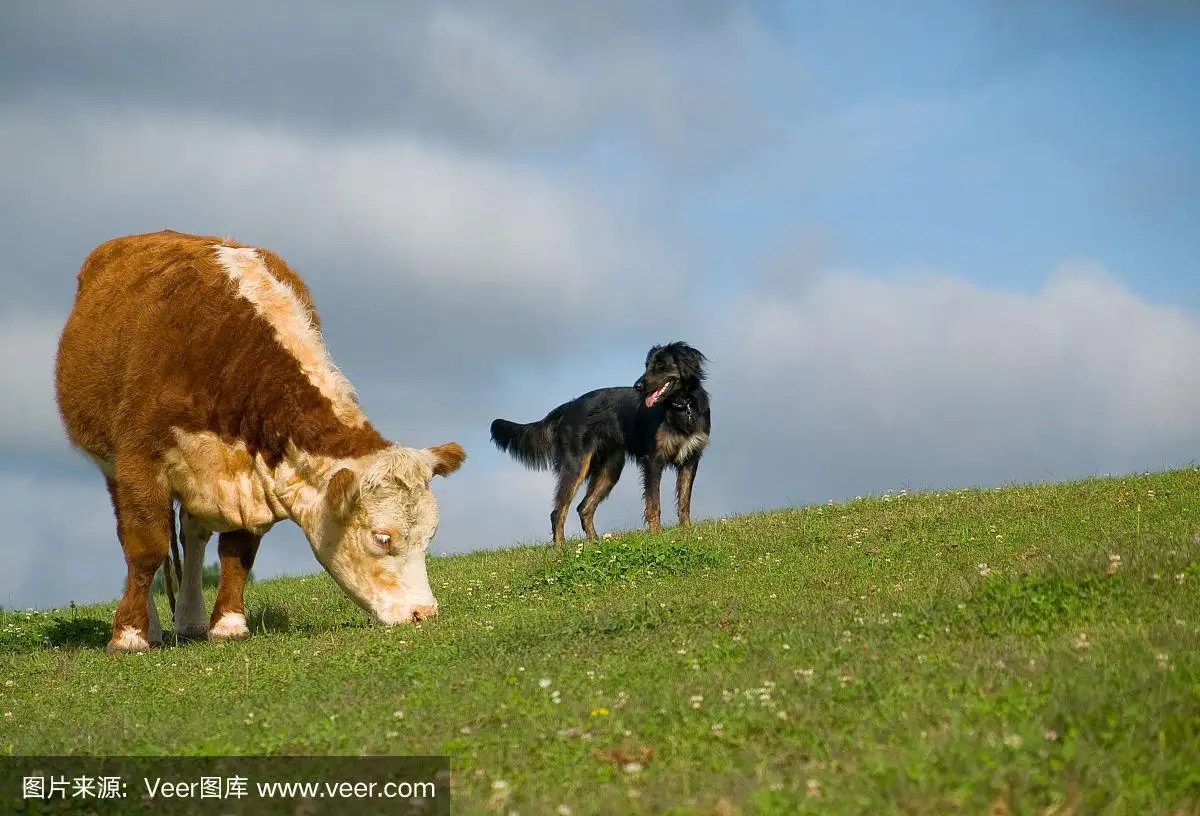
178 355
340 493
160 348
450 457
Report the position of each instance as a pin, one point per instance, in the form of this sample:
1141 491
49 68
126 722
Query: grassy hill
1028 650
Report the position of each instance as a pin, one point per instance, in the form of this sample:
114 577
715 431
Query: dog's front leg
683 490
651 482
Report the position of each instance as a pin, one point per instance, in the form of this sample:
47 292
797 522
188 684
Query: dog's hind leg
570 476
601 480
651 484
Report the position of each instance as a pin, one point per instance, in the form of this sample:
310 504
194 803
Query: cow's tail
173 566
531 444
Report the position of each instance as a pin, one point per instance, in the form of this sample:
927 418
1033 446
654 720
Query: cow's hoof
231 626
129 640
192 634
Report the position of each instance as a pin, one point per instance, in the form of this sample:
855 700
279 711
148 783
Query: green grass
856 658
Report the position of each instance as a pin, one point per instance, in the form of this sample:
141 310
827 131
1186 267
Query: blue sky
925 244
944 139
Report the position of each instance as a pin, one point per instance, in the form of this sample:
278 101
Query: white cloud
522 75
387 219
856 384
435 215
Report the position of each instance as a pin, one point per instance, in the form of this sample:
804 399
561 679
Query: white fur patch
396 469
130 640
231 625
278 304
220 484
690 445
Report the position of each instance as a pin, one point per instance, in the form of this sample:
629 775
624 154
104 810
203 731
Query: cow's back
154 323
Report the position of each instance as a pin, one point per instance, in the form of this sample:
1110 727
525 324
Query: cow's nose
424 611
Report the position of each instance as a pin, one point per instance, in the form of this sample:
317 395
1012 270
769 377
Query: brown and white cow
192 369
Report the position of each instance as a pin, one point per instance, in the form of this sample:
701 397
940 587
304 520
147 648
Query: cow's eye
383 540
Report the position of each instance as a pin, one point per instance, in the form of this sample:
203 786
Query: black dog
662 420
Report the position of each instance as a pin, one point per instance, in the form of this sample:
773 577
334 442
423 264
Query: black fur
591 436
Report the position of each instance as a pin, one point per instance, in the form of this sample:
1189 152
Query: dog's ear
650 355
690 361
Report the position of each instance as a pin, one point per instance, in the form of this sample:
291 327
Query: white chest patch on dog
690 446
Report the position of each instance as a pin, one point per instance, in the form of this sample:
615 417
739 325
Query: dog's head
670 369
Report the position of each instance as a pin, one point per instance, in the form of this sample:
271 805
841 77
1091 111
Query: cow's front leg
237 550
191 618
144 515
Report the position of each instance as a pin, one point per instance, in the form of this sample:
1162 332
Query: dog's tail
531 444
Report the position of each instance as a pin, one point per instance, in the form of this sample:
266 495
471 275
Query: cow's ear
445 459
341 494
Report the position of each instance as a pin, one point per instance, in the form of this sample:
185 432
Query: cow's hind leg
155 633
237 550
143 510
191 618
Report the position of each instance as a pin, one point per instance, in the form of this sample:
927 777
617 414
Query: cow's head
377 516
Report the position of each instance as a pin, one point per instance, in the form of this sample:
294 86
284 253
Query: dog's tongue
653 398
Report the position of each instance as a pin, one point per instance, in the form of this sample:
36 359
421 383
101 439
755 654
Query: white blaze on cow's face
378 516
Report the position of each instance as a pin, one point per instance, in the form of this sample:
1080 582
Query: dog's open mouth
657 395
